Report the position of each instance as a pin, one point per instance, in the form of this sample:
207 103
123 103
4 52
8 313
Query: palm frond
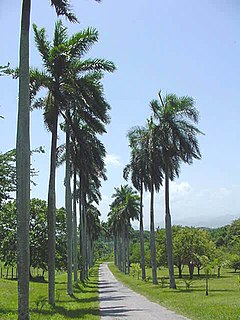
63 8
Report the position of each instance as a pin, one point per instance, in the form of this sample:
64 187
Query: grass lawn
222 303
83 305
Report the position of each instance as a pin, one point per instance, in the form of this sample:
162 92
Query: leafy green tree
190 244
38 235
7 175
178 142
8 236
233 237
234 262
220 259
219 235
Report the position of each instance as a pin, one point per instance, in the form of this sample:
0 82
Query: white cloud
112 160
191 205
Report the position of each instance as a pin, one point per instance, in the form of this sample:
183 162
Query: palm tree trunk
87 252
51 214
23 167
75 262
68 204
152 239
81 232
118 250
123 249
142 235
127 250
83 237
115 249
168 227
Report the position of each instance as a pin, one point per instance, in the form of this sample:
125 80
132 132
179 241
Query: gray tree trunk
115 249
152 239
142 235
85 239
68 204
23 167
51 213
127 251
75 262
81 234
168 226
123 249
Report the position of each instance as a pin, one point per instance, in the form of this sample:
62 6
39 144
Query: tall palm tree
176 118
137 169
23 154
64 68
154 169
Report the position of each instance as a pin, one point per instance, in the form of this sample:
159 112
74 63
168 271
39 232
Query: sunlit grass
222 303
83 305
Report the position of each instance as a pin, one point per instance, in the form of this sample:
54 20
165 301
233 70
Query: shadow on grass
194 290
8 312
76 313
80 300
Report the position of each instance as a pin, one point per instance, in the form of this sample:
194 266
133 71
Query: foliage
234 262
7 175
135 270
38 235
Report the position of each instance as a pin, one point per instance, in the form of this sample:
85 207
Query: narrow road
119 302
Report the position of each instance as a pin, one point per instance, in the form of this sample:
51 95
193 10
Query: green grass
83 305
222 303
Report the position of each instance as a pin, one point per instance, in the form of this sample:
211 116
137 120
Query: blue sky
179 46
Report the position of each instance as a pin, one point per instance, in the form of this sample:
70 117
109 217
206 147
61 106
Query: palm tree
154 169
177 139
64 69
23 155
137 168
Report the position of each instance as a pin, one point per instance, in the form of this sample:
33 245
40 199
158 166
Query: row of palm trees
124 208
75 94
157 151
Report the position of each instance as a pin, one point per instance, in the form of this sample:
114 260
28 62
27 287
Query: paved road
119 302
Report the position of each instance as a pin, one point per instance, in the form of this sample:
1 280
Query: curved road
119 302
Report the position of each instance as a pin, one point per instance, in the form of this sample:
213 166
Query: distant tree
8 238
234 262
219 235
124 208
190 244
220 259
7 175
38 235
233 237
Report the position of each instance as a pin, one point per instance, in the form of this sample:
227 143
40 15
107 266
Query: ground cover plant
222 303
82 305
